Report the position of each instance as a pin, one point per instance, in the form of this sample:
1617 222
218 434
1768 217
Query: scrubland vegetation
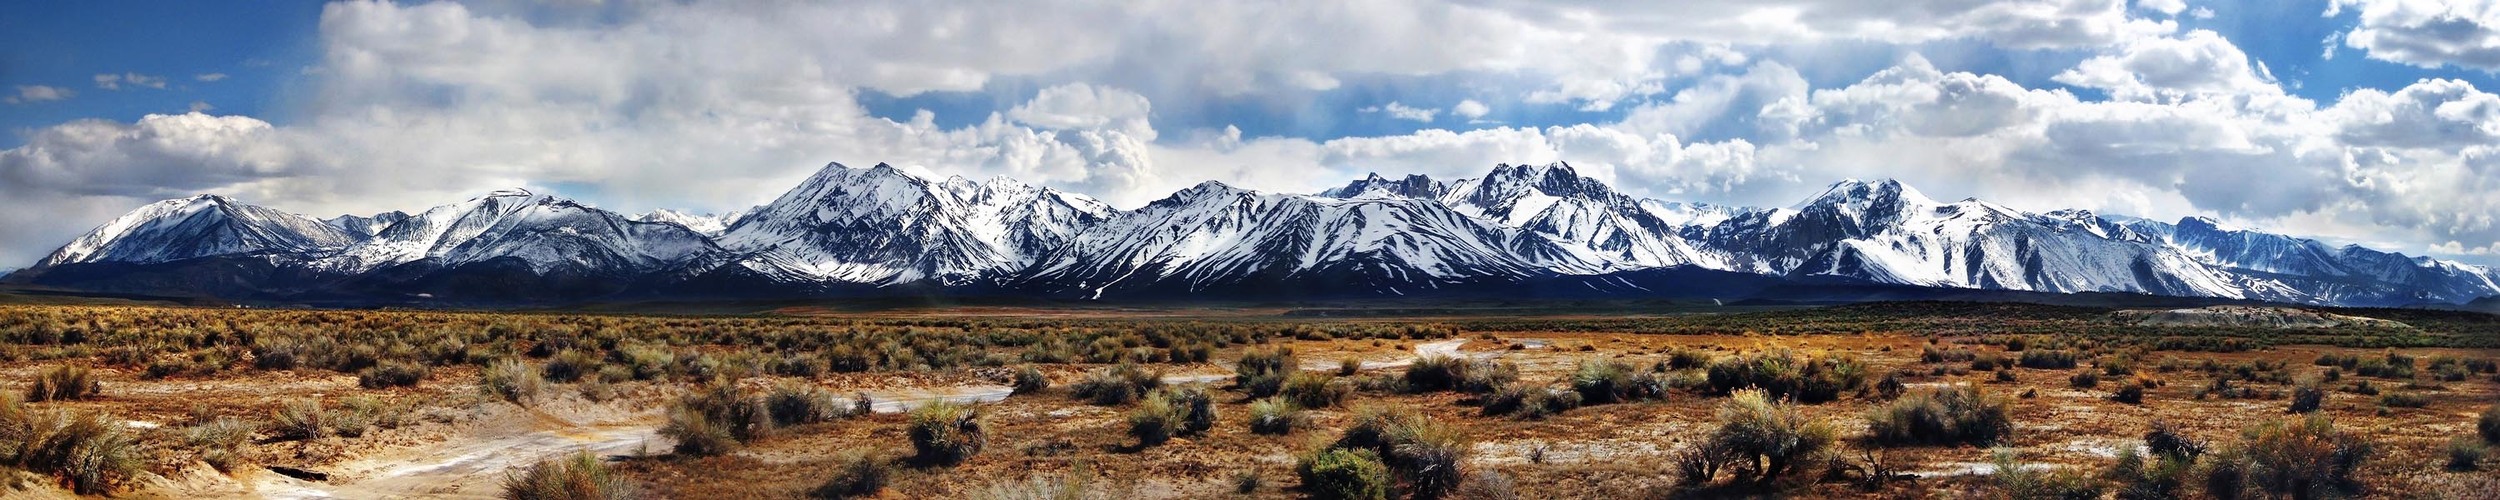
1988 401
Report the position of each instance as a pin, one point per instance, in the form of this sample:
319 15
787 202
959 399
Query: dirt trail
1447 348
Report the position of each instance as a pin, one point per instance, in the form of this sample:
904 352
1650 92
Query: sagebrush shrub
392 374
2303 456
1030 380
1785 374
1343 474
1262 372
1768 438
1117 385
1960 414
1316 390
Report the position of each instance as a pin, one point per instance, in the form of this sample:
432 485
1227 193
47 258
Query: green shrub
580 476
2048 359
1960 414
1262 372
1030 380
1343 474
1784 374
1117 385
2404 400
2465 453
946 433
64 383
856 473
511 380
392 374
1315 390
1274 415
1349 366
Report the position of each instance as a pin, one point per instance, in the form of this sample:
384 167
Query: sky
2352 121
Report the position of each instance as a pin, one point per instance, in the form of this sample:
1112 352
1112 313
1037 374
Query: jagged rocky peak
1867 203
1373 185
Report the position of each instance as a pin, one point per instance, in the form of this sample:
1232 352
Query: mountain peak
1863 193
1412 186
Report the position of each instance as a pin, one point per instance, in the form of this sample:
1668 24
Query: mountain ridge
1532 229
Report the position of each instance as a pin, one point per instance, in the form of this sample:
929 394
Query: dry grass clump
800 403
1274 415
946 433
2018 480
1757 441
580 476
1316 390
90 452
221 442
64 383
1030 380
856 473
511 380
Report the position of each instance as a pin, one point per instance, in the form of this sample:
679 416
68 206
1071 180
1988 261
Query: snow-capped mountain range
1518 230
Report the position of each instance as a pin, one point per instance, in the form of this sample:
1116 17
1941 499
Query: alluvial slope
199 226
